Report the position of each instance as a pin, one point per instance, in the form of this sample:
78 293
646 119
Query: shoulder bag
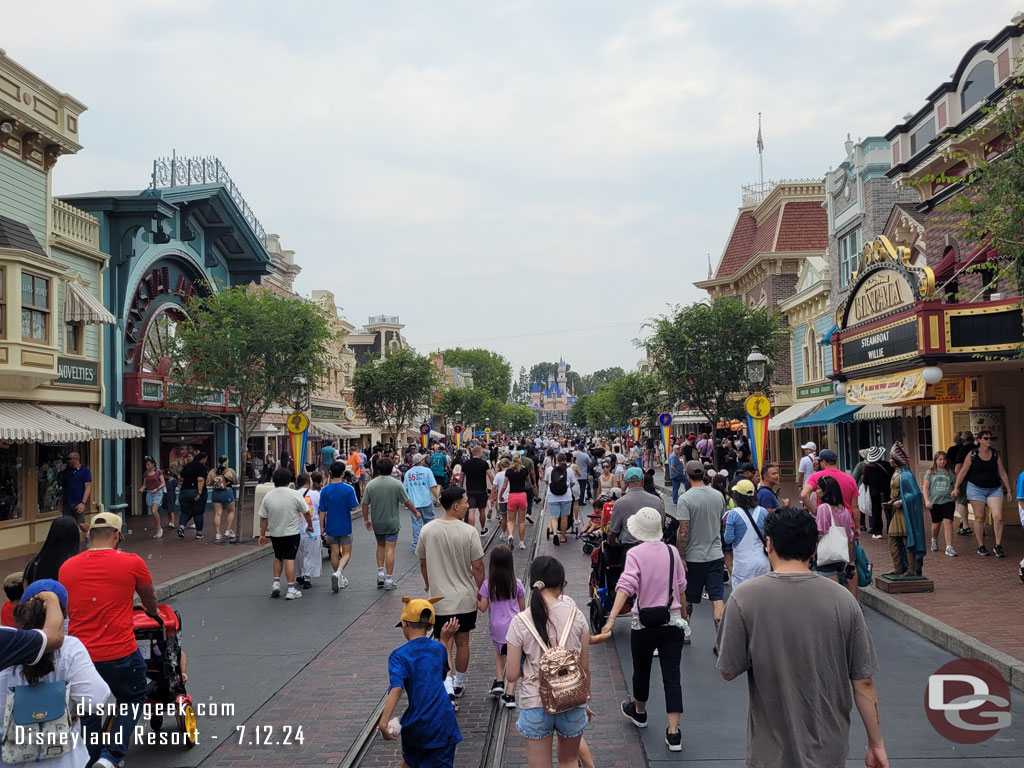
834 546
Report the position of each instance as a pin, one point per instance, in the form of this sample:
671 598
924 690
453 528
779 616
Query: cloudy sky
533 176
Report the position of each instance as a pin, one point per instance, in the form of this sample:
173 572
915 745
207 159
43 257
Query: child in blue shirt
428 727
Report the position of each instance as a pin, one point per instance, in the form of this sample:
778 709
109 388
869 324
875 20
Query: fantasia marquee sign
886 283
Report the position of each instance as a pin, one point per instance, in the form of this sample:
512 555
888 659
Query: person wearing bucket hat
744 530
655 575
429 730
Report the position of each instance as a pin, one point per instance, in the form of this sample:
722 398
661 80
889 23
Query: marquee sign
886 283
890 343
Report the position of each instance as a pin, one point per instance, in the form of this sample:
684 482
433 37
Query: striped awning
103 427
22 422
786 418
80 306
327 429
876 412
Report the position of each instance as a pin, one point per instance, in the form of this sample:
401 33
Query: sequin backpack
38 722
564 684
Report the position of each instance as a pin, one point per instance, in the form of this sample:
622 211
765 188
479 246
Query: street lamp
757 363
636 407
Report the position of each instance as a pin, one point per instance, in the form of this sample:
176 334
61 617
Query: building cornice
758 260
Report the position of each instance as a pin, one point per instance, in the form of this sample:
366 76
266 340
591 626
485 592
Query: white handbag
834 546
864 501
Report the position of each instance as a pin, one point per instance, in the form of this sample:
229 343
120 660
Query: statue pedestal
899 585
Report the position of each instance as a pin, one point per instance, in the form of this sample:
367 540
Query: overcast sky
535 177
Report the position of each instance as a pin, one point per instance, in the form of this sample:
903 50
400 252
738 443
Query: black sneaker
497 688
965 532
458 691
639 719
508 700
725 575
998 550
674 741
181 533
529 520
454 701
983 552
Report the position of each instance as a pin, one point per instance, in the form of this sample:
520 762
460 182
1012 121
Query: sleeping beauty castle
552 403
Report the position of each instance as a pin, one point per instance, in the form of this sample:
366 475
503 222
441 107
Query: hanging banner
424 434
458 436
665 420
636 430
888 389
298 434
758 409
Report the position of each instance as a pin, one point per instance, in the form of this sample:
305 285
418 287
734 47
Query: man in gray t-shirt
790 627
700 512
636 498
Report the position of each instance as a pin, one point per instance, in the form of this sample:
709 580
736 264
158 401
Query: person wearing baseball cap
423 490
744 530
806 466
847 485
428 728
101 583
635 499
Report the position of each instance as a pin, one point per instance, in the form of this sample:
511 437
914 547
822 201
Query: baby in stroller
159 642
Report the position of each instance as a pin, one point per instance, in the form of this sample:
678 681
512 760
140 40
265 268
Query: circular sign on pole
458 427
635 422
298 422
424 429
758 406
350 413
665 419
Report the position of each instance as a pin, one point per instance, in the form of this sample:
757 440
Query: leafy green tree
539 373
476 406
573 382
593 382
613 405
699 354
992 204
578 412
523 387
521 417
491 372
265 349
393 391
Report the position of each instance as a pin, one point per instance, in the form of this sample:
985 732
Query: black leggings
669 642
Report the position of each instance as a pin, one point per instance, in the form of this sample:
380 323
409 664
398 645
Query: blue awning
827 338
835 412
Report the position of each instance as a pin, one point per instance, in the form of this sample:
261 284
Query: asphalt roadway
243 647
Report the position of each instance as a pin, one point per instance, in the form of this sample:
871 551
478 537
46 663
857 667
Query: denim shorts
535 723
560 508
977 493
391 538
154 497
227 496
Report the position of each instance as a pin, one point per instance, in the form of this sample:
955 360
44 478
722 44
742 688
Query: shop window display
51 464
11 492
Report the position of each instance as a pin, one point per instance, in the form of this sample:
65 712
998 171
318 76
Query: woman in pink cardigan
654 573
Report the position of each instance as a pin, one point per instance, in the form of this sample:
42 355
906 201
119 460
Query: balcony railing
75 225
378 319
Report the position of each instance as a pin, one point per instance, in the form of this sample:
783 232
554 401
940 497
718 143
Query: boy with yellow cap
429 731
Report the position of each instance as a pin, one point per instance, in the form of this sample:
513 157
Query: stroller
159 642
606 564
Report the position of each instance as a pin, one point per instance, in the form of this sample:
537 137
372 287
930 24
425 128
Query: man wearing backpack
559 479
439 466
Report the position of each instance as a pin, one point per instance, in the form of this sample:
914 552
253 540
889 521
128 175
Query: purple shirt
646 576
501 612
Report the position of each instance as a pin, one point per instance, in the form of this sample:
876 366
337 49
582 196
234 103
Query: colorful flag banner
758 408
298 436
458 436
424 435
665 420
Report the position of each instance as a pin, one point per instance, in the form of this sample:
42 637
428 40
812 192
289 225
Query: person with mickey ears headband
655 575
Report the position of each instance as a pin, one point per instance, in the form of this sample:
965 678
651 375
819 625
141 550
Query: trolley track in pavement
371 751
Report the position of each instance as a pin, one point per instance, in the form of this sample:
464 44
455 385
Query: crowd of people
723 534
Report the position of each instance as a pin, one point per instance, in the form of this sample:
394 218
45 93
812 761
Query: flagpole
760 150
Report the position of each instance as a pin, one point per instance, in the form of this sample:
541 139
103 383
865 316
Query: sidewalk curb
202 575
943 635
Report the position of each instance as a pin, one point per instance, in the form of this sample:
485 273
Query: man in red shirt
101 584
846 484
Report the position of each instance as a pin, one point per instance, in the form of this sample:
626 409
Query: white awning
24 423
80 306
327 429
784 419
873 412
689 417
103 427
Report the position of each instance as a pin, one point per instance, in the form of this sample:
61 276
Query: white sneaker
502 536
511 542
229 534
159 533
276 590
103 763
335 582
522 545
293 594
950 552
343 581
935 545
217 537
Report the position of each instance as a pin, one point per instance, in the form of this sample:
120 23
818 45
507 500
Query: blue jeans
127 680
676 482
426 515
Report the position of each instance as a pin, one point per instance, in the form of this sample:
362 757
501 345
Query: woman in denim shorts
153 486
548 613
221 481
983 472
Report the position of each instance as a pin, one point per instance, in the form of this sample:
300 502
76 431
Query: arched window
977 85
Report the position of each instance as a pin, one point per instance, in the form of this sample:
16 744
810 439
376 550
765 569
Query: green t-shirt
940 486
386 496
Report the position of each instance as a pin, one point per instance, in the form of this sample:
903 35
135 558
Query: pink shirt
646 576
518 635
847 484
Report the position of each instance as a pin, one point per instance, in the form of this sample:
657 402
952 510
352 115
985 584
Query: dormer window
919 139
977 85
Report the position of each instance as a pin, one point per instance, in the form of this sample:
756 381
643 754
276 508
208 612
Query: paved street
320 662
